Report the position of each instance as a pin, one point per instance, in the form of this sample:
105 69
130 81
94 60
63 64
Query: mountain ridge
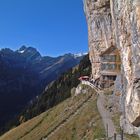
55 94
23 76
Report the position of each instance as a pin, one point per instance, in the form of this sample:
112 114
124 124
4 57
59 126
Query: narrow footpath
105 114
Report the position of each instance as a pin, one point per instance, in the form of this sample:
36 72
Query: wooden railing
91 85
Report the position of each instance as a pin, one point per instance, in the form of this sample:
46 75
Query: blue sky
54 27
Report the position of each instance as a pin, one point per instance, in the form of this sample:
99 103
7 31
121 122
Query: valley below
85 96
24 75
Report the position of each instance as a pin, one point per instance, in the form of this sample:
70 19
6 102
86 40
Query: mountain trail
105 114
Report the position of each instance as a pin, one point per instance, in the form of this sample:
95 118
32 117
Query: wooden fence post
122 134
107 131
115 135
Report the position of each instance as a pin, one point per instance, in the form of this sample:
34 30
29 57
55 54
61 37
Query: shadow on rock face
137 122
137 87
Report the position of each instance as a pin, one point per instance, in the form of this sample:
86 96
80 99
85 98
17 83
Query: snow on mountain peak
79 54
21 51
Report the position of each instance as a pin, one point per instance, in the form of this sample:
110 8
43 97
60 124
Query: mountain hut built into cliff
110 65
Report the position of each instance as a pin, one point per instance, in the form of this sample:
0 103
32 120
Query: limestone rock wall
100 30
118 22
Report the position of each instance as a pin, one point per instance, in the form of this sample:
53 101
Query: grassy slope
86 124
55 93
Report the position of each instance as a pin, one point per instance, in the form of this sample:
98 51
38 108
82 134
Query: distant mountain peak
80 54
22 48
77 55
27 49
6 50
29 52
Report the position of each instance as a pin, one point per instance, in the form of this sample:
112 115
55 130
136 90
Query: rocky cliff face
117 22
100 30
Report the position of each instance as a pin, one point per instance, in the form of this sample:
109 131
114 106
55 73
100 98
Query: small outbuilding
84 78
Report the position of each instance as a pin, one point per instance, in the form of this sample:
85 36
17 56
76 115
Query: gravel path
106 117
105 114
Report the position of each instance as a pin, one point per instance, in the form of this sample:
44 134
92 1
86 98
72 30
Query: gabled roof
109 50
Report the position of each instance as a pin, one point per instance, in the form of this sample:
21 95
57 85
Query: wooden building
110 65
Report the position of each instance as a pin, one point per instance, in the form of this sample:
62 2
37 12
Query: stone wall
118 22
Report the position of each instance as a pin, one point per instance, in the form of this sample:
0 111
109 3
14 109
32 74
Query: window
113 78
108 77
118 59
108 58
114 66
119 67
108 66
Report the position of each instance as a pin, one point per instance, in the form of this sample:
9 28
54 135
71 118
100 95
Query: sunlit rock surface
117 22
